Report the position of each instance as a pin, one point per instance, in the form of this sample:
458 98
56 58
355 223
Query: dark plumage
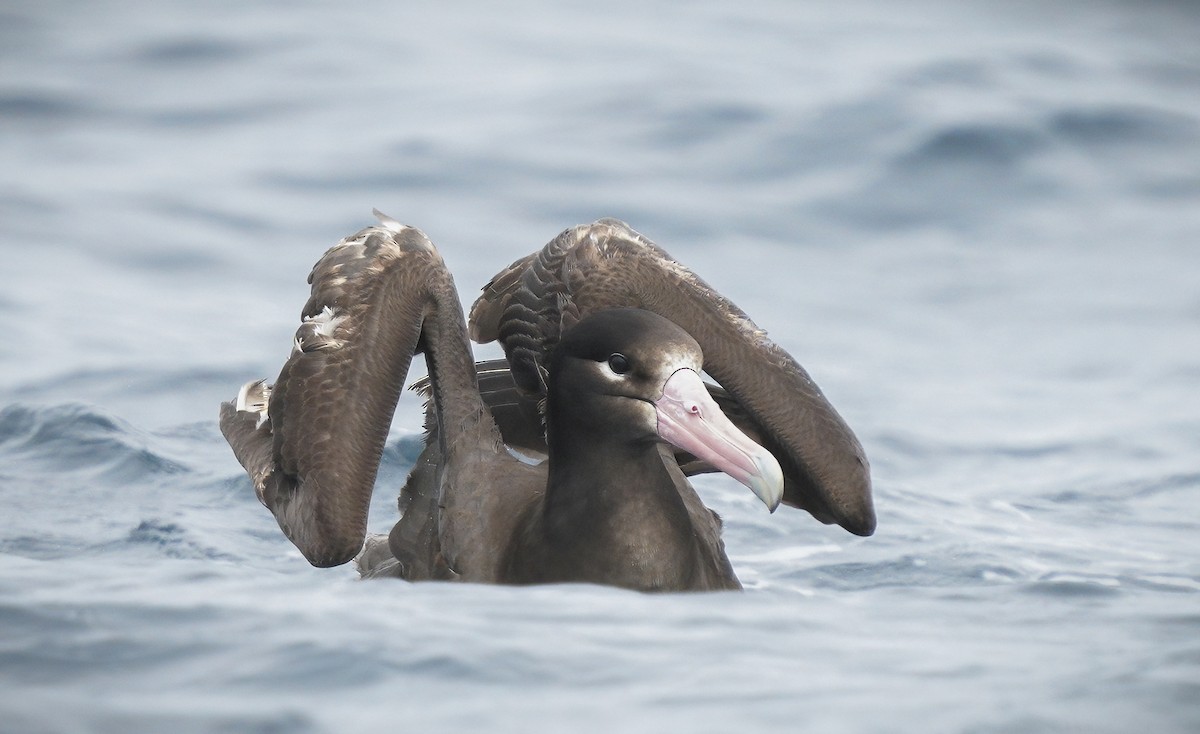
611 333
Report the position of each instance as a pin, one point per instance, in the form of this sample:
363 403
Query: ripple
42 106
950 174
1165 582
1064 585
704 124
44 547
78 438
192 51
906 571
1102 126
991 145
172 540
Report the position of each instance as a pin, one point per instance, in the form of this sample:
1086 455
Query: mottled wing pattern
313 450
607 264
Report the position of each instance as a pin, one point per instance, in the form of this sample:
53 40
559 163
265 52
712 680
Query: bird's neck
460 410
617 502
591 472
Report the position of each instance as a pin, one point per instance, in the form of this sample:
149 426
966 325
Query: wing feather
607 264
314 456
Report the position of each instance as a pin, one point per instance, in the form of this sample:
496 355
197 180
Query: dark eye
618 363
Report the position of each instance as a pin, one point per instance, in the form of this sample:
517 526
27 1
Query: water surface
976 226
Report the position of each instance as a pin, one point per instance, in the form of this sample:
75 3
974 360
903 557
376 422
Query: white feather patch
535 460
254 398
326 322
388 222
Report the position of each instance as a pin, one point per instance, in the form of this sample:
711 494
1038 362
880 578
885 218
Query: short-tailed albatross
565 462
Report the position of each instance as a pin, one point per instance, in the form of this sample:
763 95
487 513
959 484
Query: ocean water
976 224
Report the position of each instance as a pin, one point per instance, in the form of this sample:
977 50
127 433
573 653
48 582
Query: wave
78 438
80 481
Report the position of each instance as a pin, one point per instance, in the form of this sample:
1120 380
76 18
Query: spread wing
312 442
607 264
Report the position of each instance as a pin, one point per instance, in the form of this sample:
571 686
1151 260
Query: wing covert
313 450
607 264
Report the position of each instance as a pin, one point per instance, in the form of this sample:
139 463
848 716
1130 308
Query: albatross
567 461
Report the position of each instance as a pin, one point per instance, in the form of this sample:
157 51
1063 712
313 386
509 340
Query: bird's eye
618 363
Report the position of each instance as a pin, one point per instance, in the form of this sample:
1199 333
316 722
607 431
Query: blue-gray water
977 224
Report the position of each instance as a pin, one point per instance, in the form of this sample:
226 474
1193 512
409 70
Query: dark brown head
633 377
